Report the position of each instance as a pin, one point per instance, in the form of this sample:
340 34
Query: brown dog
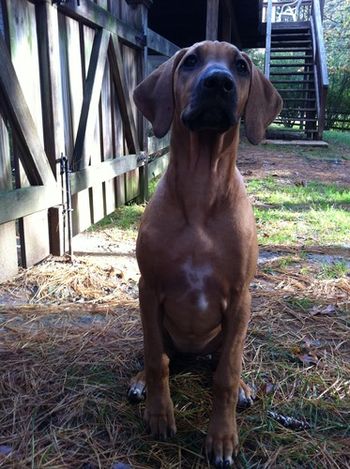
197 247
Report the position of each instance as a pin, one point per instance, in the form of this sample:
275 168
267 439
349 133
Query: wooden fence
337 120
66 79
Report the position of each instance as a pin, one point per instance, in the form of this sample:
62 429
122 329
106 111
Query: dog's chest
196 278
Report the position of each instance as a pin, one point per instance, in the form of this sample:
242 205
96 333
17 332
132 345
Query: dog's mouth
214 118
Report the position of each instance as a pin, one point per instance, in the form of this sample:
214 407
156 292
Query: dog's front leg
222 439
159 412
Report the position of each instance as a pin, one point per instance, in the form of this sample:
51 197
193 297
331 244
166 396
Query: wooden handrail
321 72
317 20
268 39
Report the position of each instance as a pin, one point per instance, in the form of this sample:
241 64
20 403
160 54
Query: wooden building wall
66 79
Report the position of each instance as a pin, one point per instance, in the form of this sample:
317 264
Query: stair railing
287 11
268 39
320 65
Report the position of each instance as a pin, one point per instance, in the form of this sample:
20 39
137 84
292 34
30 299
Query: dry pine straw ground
67 356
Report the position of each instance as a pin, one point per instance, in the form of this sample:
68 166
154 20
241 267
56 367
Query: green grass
290 214
337 137
334 270
127 217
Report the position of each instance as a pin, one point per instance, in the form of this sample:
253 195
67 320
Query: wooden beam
93 15
212 20
107 170
161 45
52 107
227 16
23 202
117 69
92 91
50 78
34 159
268 39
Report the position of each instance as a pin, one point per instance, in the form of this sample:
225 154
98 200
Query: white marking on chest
196 277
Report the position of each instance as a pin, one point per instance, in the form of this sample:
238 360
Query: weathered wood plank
105 110
159 44
51 98
268 39
28 124
131 63
92 91
212 20
73 74
93 15
107 138
91 176
92 142
26 201
122 89
117 124
158 144
34 160
8 244
50 78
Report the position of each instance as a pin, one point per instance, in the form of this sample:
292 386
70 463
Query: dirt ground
71 339
296 164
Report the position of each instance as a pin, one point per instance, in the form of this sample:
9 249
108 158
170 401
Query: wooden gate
66 79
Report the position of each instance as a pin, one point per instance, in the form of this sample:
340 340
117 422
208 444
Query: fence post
52 109
144 6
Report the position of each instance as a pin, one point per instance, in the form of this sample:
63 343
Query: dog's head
210 86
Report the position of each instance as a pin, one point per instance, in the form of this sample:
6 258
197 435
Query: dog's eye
241 66
190 60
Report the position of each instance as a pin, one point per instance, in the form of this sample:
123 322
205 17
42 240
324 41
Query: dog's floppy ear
154 96
263 105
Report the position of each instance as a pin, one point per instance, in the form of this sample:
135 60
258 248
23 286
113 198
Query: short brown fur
197 246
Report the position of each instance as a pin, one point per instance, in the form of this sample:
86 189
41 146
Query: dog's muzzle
213 102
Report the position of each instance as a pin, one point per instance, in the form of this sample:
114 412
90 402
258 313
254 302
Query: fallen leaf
266 389
120 465
327 310
5 450
309 358
289 422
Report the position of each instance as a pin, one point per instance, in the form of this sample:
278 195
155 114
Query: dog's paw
221 448
246 396
160 420
137 388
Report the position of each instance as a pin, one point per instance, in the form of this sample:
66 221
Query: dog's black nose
219 81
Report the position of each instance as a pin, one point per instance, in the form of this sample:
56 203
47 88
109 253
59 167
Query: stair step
303 100
292 34
291 57
291 26
291 49
302 119
301 109
291 42
295 82
295 90
296 64
297 74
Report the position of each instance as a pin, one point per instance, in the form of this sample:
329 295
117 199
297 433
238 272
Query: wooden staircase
292 73
294 64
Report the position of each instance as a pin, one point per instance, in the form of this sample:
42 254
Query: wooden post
268 39
51 98
143 6
8 250
227 21
212 20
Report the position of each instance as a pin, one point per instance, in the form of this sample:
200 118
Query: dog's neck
201 172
